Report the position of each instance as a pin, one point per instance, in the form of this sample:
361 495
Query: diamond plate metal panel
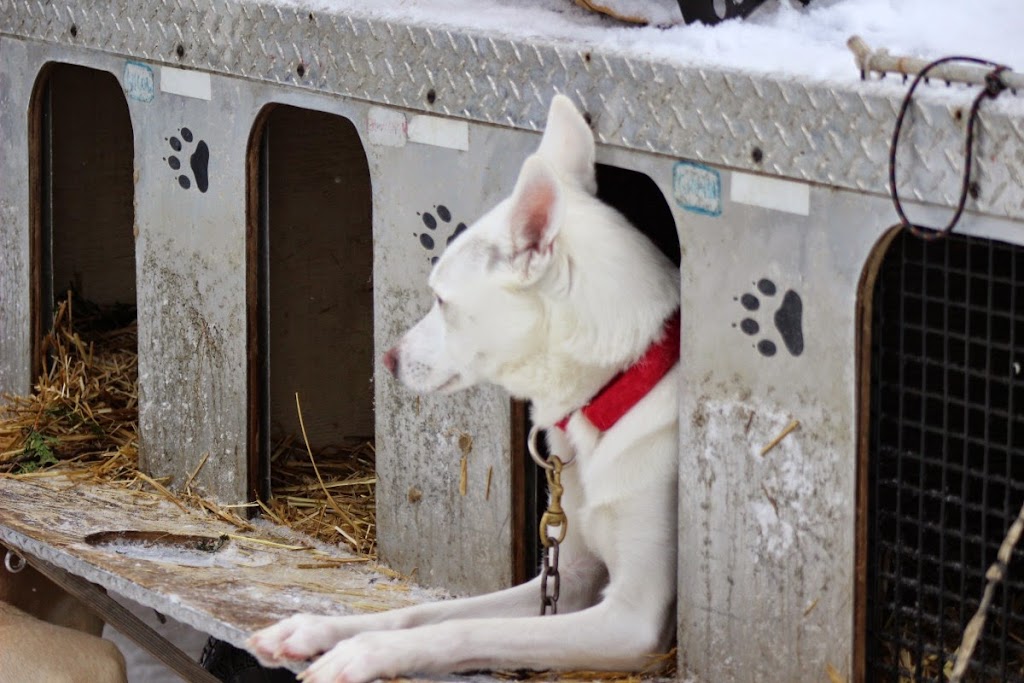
821 133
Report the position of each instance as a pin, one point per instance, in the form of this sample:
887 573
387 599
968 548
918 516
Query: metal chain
553 525
549 572
994 85
553 519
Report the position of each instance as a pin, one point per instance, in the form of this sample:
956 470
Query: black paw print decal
427 239
787 320
198 160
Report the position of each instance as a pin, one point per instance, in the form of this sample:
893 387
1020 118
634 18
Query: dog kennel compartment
315 284
946 456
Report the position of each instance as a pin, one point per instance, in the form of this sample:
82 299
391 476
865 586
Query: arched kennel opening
638 198
83 216
313 318
945 457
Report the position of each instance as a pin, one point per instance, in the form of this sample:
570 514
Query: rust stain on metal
771 499
465 443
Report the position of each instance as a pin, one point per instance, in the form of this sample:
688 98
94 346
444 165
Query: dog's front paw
363 658
296 638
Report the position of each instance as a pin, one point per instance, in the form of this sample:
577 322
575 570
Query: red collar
627 388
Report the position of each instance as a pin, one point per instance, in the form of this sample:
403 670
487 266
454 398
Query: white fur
549 295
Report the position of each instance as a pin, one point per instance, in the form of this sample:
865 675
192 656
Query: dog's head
549 274
490 283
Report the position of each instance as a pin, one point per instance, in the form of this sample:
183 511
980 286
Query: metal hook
531 445
14 562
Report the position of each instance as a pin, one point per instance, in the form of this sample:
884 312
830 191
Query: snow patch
780 37
775 537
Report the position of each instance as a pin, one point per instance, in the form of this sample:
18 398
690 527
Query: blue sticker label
139 82
697 188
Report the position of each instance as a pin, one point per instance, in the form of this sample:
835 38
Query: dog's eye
439 300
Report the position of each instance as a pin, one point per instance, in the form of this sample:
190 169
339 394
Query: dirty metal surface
768 431
444 465
830 133
15 361
241 586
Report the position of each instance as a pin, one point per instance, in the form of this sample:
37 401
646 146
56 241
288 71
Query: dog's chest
588 516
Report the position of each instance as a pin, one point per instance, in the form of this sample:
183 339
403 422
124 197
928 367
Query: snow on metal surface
780 83
780 37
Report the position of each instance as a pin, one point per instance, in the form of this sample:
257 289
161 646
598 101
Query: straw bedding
81 420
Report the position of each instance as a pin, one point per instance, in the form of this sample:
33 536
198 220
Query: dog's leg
305 635
606 636
582 577
619 633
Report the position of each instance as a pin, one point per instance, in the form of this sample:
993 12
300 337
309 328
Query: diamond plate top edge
831 134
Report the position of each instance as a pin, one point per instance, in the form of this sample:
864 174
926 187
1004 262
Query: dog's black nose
391 360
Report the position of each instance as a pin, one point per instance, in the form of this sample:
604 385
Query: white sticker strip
771 193
188 83
431 130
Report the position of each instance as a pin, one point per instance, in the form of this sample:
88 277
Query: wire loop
994 85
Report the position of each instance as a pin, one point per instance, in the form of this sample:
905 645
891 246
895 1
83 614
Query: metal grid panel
946 472
825 133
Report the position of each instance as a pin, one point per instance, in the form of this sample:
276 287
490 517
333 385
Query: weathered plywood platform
251 580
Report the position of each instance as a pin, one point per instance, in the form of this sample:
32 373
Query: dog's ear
568 144
534 217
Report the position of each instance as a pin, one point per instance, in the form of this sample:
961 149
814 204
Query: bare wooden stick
330 500
880 61
994 575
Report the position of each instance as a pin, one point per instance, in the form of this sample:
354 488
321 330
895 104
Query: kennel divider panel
18 180
461 542
767 538
193 288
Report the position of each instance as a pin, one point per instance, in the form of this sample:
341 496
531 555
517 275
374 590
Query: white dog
555 297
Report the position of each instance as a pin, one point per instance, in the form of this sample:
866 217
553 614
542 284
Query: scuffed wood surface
243 586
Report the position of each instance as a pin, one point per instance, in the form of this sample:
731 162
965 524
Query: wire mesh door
946 460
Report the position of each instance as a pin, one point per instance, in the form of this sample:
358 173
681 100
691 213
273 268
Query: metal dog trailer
269 185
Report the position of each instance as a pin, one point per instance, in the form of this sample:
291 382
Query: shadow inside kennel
83 219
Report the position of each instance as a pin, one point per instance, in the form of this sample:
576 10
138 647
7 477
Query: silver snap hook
14 562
